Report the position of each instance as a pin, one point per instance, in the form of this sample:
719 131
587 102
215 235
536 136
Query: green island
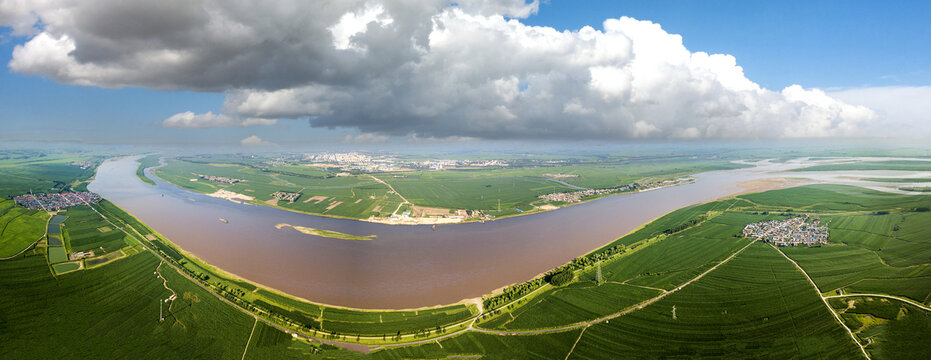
324 233
916 189
145 163
899 180
685 285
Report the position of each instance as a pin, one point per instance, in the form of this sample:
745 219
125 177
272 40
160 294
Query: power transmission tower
598 279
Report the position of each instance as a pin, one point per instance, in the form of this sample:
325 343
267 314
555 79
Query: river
405 266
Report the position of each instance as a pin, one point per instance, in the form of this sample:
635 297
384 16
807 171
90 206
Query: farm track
825 301
908 301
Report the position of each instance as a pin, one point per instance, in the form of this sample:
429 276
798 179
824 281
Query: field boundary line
256 323
825 301
576 342
908 301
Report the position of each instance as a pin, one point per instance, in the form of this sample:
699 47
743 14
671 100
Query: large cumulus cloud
416 68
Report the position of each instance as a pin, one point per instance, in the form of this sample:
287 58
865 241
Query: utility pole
160 317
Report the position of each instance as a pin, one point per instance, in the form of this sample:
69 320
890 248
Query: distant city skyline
377 72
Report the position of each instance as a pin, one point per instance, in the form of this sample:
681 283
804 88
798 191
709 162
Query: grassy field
757 305
146 162
19 227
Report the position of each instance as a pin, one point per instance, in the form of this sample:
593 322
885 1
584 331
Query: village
219 179
577 196
790 232
52 202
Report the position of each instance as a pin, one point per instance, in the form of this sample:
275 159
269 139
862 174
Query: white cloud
902 108
255 141
355 22
189 120
423 69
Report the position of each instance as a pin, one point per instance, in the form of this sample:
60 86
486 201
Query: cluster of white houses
795 231
220 179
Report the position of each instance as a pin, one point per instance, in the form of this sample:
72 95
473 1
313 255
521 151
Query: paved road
909 301
825 301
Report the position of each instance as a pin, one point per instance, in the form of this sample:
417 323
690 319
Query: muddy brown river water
405 266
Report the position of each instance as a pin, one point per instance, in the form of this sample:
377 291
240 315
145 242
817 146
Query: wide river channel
405 266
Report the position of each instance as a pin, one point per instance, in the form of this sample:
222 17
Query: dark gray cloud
416 68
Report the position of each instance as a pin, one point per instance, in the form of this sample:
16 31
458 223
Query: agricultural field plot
57 254
270 343
898 180
66 267
757 305
19 227
815 198
913 165
346 321
49 173
900 239
321 192
478 193
857 269
85 232
892 329
577 302
473 345
115 310
677 258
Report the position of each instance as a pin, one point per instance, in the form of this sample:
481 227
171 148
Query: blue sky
827 45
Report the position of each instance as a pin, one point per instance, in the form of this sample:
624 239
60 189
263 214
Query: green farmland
892 330
495 191
757 304
19 227
909 165
673 288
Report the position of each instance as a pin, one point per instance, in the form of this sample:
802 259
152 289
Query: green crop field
574 303
19 227
894 330
899 180
112 312
84 227
57 254
65 267
146 162
496 191
757 305
321 192
42 172
346 321
912 165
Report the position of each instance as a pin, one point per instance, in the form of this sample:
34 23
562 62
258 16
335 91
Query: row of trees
558 276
